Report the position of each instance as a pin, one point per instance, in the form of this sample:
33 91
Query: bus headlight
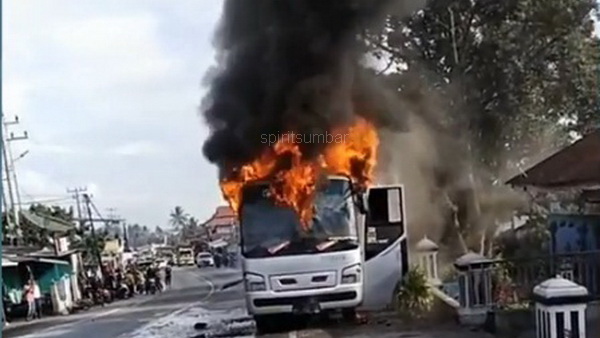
351 274
254 282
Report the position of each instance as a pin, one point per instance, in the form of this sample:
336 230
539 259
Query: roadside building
223 225
568 184
113 254
55 268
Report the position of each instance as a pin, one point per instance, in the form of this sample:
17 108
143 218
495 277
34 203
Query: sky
109 93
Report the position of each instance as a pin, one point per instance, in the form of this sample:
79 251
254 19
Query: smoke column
287 65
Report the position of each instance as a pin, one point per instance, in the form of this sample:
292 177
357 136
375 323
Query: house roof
10 250
577 164
224 211
52 224
223 216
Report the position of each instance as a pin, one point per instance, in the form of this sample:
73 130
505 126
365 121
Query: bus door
385 245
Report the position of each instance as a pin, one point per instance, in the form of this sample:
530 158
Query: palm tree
193 223
179 221
178 218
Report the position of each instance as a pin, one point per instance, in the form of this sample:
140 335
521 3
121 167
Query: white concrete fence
560 309
560 304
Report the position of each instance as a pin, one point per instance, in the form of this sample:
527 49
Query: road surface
197 306
189 286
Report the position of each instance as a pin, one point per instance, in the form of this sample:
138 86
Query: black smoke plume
287 65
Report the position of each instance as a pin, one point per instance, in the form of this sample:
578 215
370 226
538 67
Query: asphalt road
223 315
121 319
198 297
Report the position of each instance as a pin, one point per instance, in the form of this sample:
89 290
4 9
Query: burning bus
293 114
315 234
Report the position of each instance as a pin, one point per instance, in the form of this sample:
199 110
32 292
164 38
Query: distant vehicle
185 256
205 259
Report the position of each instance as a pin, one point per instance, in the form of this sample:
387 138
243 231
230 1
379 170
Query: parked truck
354 255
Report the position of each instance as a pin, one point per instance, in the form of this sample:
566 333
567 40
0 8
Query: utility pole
4 202
96 250
10 137
111 215
76 195
113 219
12 222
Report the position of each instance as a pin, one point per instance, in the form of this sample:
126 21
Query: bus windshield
268 229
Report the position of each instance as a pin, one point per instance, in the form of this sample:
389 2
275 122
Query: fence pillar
475 288
560 309
427 252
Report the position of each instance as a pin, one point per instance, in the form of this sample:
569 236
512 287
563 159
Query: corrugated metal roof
25 259
577 164
6 262
49 223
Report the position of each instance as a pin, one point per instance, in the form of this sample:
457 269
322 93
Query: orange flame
350 151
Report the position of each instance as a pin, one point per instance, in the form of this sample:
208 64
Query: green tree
506 76
507 70
178 218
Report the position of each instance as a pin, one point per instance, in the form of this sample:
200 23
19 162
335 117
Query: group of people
223 258
116 283
33 296
126 283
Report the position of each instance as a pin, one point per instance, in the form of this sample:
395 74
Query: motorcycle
151 288
122 291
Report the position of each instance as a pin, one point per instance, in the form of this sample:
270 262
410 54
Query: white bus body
342 279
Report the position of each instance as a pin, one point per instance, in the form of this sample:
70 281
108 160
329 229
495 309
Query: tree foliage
178 218
509 79
507 70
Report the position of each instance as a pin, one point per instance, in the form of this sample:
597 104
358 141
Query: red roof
577 164
224 211
223 216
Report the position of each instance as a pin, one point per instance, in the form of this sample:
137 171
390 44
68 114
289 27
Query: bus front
291 270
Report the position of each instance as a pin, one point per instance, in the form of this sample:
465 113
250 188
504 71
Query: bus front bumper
304 301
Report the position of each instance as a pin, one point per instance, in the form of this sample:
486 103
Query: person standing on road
37 295
168 276
30 299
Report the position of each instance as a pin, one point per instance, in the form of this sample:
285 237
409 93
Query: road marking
107 313
212 288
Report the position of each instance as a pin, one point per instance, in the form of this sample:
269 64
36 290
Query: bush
414 298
